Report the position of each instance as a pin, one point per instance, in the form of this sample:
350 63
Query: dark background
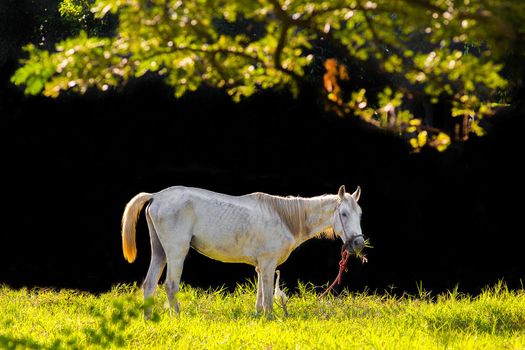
71 164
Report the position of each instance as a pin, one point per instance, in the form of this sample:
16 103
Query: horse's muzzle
355 245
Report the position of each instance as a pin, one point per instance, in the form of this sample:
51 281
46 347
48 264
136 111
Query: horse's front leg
266 276
259 300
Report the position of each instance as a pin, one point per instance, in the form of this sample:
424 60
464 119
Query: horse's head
347 220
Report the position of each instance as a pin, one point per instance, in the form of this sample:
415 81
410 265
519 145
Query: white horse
257 229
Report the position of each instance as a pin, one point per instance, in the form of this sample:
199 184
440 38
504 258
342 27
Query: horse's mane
293 211
328 233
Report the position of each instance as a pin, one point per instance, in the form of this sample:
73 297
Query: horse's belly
226 248
231 233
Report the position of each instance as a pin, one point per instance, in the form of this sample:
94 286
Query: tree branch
320 12
298 79
281 14
280 45
286 23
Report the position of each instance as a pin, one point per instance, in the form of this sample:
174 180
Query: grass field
66 319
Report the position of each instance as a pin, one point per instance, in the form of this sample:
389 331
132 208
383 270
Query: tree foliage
426 50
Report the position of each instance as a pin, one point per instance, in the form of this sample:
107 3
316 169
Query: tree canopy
426 52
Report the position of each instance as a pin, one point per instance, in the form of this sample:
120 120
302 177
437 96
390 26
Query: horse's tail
129 221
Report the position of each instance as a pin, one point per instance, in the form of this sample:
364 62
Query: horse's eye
344 214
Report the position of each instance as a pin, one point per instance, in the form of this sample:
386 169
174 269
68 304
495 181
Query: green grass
66 319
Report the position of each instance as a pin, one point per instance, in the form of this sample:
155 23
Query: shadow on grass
7 342
107 333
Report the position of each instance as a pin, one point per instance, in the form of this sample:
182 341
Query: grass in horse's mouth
362 256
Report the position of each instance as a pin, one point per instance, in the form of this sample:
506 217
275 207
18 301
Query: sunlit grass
66 319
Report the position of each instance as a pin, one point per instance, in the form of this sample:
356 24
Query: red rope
342 268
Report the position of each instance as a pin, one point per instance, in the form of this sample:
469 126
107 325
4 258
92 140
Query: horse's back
196 193
211 213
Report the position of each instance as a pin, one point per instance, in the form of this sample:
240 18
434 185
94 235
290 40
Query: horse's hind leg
156 266
176 244
176 258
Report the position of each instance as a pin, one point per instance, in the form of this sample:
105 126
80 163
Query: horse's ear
357 194
341 192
